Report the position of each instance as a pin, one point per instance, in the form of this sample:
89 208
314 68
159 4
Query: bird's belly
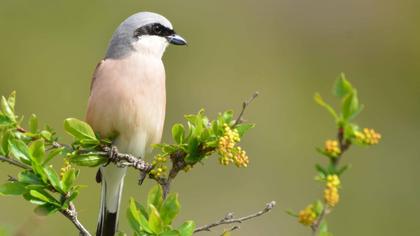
129 101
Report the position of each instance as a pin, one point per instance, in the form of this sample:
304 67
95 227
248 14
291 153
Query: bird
128 99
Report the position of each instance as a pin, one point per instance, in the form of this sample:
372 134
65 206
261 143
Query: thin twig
236 227
244 106
15 163
71 214
228 219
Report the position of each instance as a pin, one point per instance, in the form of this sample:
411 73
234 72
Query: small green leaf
155 222
7 110
28 177
170 208
54 179
155 196
318 207
33 123
53 153
37 150
11 100
12 188
321 102
43 197
187 229
4 120
323 227
178 133
243 128
350 106
137 221
227 117
88 159
68 179
342 86
46 209
19 150
79 130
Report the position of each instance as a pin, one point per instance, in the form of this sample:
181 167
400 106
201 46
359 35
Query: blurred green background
285 49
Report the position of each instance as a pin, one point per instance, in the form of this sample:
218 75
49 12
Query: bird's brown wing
95 72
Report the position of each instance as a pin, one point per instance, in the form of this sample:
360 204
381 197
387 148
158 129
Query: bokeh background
285 49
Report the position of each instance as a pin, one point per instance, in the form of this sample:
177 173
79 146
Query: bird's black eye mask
153 29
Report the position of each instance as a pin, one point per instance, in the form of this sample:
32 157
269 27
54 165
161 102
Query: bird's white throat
149 44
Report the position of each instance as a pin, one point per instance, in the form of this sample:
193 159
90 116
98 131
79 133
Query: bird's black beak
176 40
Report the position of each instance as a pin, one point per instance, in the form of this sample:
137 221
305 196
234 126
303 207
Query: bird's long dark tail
112 180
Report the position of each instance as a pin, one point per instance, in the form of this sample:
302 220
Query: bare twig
228 219
236 227
71 214
15 163
244 106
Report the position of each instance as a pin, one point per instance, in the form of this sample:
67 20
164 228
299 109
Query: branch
228 219
244 106
15 163
71 214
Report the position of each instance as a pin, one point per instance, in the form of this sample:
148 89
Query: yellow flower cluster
331 195
159 167
307 216
227 150
368 136
332 148
65 168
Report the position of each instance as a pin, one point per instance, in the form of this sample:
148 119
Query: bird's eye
157 29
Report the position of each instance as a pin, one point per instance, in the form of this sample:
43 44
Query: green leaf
243 128
53 153
350 106
4 120
155 196
11 100
178 133
37 150
187 229
137 221
343 169
321 102
321 171
19 150
12 188
33 123
43 197
68 179
342 86
28 177
88 159
79 130
170 208
155 222
323 227
46 209
7 110
318 207
227 117
54 179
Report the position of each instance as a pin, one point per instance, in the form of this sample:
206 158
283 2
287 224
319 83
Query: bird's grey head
143 32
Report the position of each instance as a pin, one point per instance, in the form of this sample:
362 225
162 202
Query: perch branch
71 214
228 219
